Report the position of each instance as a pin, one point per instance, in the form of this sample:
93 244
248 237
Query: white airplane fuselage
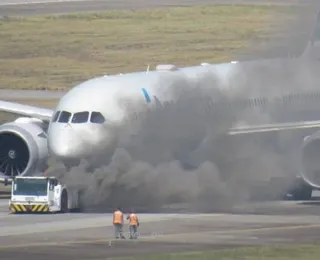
114 97
111 96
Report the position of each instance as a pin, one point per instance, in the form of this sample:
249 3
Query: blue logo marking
146 95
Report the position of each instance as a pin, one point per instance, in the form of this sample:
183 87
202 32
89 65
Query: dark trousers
133 231
118 229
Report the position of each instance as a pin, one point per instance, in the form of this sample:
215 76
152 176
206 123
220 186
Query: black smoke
181 153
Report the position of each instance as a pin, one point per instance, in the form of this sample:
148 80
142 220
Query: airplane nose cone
61 150
65 144
76 142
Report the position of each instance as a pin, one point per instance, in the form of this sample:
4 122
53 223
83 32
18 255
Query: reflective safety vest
133 220
117 217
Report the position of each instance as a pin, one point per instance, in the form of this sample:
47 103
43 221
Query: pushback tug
42 194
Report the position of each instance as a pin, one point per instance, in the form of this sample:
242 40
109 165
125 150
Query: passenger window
97 118
64 117
80 117
55 117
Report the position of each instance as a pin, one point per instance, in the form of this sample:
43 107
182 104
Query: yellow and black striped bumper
17 208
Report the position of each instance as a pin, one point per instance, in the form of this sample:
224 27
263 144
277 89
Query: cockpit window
80 117
97 118
64 117
55 117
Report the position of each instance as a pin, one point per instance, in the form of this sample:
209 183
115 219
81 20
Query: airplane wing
26 110
273 127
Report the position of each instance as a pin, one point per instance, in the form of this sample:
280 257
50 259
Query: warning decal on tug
16 208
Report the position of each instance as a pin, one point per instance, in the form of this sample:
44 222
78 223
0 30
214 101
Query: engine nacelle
23 147
310 160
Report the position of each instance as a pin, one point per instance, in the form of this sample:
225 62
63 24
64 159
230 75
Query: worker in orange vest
118 223
133 224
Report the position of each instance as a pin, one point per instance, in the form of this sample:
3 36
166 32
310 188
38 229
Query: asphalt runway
8 94
37 7
90 235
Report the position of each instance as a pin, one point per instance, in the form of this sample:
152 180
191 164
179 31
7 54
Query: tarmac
90 235
38 7
9 94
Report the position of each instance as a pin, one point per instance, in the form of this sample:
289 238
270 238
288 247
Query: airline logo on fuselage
146 95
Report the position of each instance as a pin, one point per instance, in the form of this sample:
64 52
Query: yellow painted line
92 241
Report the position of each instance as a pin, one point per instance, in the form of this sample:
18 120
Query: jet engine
23 147
310 160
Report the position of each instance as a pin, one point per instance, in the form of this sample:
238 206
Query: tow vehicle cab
41 194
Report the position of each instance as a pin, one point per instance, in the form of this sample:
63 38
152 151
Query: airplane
87 119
